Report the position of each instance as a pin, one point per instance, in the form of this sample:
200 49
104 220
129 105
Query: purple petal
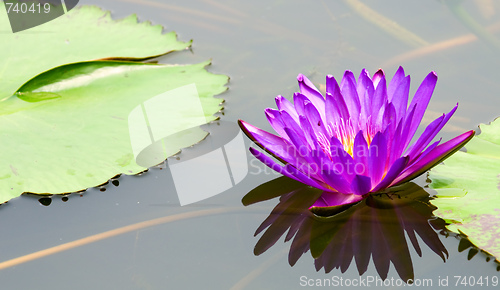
329 174
335 180
389 127
299 142
424 139
335 105
332 113
396 168
400 97
348 76
274 118
307 88
395 81
335 198
365 91
300 101
304 178
360 154
434 157
389 122
336 108
313 116
379 117
399 143
365 111
271 163
343 162
379 97
289 120
423 154
334 144
308 132
377 77
377 158
350 94
302 153
294 127
361 185
421 100
392 147
405 134
429 133
331 84
285 105
276 146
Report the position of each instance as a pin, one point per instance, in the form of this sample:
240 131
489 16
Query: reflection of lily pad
68 127
84 33
477 213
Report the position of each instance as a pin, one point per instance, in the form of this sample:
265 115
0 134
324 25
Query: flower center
345 133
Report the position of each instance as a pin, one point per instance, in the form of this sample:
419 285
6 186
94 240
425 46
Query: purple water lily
355 140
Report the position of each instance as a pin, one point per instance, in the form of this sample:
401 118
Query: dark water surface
262 46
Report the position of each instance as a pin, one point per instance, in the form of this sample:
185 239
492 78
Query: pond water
262 46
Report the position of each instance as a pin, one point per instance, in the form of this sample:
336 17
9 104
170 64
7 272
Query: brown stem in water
113 233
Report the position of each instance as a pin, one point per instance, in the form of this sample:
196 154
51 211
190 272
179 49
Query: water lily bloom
356 139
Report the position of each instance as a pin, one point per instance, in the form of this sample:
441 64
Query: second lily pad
468 186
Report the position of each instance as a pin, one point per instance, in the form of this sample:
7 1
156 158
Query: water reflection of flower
355 139
375 227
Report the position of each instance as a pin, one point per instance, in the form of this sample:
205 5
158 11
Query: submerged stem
112 233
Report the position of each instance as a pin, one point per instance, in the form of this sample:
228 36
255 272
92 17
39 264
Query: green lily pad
76 111
469 191
84 33
67 134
